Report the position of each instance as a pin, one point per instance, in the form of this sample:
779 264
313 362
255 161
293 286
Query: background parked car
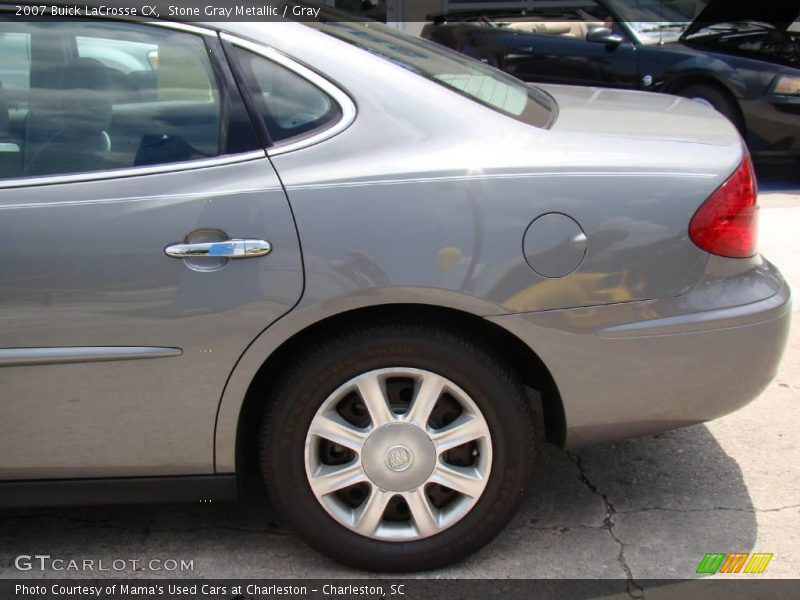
742 58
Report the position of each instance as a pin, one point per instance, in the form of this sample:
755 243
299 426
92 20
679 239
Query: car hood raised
640 115
778 13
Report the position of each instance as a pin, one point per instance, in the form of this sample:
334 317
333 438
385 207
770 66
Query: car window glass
657 21
289 105
14 90
78 97
468 77
15 68
123 55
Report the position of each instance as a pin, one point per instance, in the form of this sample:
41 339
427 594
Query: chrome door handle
226 249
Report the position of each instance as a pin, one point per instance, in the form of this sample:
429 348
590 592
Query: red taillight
727 223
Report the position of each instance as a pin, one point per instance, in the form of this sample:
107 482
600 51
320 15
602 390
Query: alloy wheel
398 454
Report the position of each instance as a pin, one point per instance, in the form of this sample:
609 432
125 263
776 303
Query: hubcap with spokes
398 454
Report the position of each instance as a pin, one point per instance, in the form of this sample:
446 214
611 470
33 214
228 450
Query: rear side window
289 106
461 74
87 96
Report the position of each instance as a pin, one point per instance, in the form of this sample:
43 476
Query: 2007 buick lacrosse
373 272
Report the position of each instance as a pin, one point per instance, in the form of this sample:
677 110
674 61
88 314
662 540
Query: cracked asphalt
642 509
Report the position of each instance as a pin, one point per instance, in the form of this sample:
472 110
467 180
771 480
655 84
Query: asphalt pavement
643 508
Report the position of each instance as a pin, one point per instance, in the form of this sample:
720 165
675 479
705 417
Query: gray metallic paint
424 199
441 180
654 365
85 267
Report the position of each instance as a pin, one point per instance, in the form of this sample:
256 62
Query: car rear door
146 241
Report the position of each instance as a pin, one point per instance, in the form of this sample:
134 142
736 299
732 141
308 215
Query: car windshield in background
657 21
468 77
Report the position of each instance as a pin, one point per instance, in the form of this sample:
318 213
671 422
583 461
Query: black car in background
740 56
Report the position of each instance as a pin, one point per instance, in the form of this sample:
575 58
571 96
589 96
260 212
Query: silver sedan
369 272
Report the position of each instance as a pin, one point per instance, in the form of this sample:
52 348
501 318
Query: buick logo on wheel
398 458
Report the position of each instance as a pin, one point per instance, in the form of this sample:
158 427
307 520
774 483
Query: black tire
718 99
491 385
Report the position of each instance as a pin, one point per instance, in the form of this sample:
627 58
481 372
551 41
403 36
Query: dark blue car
739 56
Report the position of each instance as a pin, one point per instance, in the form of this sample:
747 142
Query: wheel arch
520 357
683 80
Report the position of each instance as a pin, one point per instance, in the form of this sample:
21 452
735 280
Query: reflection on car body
742 58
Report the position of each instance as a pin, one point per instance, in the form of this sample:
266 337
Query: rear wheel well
699 80
528 366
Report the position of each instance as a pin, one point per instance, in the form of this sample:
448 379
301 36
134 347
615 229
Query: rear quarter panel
429 189
426 197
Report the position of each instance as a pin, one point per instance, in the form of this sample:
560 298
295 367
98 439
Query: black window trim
237 133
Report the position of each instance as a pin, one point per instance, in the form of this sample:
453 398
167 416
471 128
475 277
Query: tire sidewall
283 448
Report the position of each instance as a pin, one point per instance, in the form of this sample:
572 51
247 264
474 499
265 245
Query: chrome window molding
188 165
5 7
346 104
182 27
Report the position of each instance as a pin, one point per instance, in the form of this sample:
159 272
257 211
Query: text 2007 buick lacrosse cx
373 272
